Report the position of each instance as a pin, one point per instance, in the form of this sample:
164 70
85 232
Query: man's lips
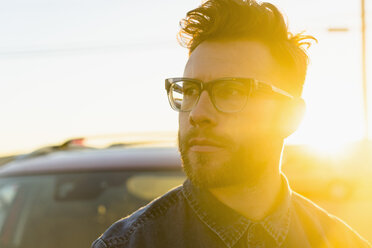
204 145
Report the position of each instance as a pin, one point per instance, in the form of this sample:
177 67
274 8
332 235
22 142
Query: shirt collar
230 225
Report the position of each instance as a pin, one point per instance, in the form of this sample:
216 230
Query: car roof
99 160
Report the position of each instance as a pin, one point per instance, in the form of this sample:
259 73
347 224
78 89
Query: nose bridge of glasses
207 86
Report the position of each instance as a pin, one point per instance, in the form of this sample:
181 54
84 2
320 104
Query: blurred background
96 69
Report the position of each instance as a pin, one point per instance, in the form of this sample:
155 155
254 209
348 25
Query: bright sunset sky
73 68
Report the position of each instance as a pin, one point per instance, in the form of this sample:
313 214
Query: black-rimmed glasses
227 94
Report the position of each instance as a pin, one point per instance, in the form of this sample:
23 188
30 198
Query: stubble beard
233 166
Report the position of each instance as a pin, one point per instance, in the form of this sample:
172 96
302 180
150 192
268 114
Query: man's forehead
216 59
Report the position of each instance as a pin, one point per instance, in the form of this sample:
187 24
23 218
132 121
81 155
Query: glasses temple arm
262 85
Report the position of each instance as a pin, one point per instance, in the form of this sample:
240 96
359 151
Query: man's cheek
183 120
237 129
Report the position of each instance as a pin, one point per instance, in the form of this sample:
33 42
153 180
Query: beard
237 164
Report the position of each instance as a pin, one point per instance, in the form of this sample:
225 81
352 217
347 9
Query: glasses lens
230 96
183 95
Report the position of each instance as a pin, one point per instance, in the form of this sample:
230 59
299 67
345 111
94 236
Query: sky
86 68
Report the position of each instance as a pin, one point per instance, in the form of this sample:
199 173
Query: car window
149 185
71 210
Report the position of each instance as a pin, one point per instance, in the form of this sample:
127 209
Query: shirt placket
257 237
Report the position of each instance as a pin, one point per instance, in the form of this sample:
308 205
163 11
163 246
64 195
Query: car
68 197
6 159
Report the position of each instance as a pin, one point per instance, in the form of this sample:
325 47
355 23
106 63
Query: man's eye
230 92
190 91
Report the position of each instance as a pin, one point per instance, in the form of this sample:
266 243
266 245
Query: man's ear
291 116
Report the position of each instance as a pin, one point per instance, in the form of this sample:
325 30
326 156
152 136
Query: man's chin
208 159
221 169
208 170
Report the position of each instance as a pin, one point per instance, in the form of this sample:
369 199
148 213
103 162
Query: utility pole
364 67
364 71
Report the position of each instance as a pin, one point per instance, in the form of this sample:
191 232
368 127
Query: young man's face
222 149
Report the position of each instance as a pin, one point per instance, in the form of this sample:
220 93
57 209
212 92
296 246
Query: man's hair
227 20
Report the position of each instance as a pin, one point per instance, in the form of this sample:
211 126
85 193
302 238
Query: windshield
72 210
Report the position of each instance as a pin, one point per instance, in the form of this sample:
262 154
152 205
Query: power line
89 48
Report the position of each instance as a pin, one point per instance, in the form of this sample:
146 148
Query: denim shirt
189 216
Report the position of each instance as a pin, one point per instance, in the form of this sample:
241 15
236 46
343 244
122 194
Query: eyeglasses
228 95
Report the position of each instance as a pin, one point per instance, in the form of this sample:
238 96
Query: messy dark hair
226 20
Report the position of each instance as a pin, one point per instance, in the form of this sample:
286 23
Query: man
238 100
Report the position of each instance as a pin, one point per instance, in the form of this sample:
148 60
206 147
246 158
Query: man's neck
252 201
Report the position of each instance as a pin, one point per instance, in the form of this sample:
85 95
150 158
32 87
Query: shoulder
135 225
318 221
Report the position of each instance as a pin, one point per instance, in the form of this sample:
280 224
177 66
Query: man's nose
204 113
